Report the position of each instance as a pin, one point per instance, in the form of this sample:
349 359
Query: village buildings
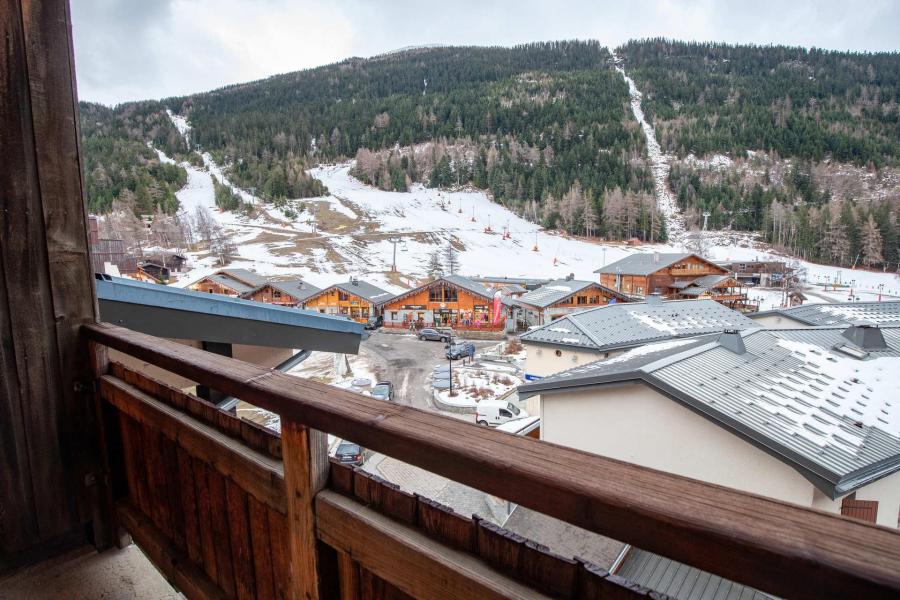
358 300
674 275
801 415
449 301
607 331
563 296
288 292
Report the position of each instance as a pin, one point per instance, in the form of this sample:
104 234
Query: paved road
407 362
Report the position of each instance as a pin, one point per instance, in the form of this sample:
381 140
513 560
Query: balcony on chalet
97 454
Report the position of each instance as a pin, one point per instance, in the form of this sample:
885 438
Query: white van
497 412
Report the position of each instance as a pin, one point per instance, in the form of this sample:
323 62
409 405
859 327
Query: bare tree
871 243
451 258
434 266
589 216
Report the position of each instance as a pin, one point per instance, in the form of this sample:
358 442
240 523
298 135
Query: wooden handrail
774 546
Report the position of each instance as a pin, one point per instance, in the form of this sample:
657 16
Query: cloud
137 49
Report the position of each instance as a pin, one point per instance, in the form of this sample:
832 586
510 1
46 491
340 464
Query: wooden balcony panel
771 545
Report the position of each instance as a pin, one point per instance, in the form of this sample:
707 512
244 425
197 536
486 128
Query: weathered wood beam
305 473
405 557
771 545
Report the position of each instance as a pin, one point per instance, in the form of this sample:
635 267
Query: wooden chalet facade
96 454
674 275
291 292
450 301
355 299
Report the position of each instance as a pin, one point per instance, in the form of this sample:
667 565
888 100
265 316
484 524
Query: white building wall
637 424
777 322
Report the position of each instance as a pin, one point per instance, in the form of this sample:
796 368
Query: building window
276 294
640 290
450 295
343 296
865 510
595 300
394 316
581 300
436 294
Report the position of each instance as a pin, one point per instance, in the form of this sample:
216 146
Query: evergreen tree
451 258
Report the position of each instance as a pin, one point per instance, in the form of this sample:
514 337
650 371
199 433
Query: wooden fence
206 496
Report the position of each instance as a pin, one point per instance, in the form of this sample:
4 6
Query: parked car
374 322
383 390
497 412
461 350
349 453
433 335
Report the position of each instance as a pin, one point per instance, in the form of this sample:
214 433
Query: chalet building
153 273
765 273
109 254
798 415
450 301
564 296
832 315
590 335
673 275
290 292
229 282
175 262
356 299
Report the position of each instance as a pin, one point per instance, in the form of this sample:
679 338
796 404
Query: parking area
407 362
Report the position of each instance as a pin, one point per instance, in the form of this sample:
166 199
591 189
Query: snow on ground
476 383
274 244
659 162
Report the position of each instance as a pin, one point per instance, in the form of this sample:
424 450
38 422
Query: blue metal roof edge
151 294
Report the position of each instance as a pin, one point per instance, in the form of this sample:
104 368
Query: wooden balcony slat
774 546
407 558
258 474
168 558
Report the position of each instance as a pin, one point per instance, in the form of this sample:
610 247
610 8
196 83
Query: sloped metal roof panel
615 326
844 313
643 263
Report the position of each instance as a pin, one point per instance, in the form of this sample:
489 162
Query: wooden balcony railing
226 508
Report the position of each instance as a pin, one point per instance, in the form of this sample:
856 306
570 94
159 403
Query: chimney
866 335
570 277
732 340
654 298
354 281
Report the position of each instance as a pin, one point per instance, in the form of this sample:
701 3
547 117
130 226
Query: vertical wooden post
305 454
348 573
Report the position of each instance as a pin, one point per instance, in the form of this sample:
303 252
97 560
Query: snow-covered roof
229 282
616 326
560 289
643 263
841 313
245 276
810 397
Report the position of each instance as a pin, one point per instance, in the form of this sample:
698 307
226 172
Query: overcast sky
139 49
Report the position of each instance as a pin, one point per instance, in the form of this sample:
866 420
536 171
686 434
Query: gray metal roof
616 326
560 289
841 313
469 284
244 276
807 396
238 286
680 581
643 263
175 313
366 291
295 288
